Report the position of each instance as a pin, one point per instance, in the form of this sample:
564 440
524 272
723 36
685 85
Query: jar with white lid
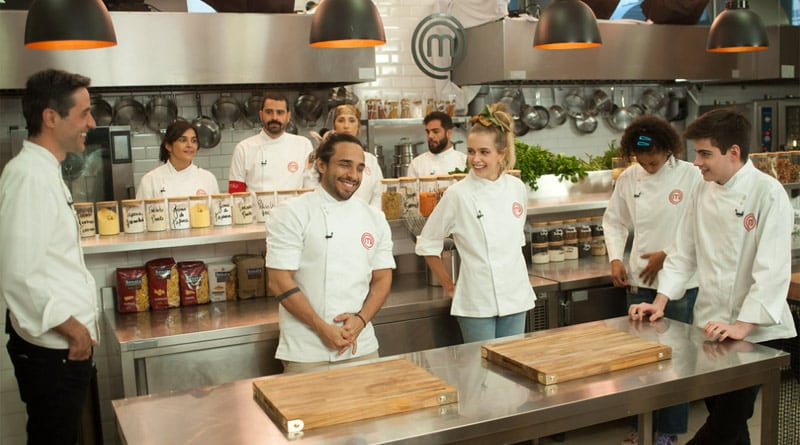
221 212
155 213
178 212
107 218
408 192
85 213
199 213
242 208
133 220
265 202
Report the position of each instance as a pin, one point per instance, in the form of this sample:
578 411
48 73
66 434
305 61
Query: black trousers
53 389
728 414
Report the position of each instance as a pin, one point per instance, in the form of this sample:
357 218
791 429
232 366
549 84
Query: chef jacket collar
328 199
177 172
272 140
746 169
483 181
42 152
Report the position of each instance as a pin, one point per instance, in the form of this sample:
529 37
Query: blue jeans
672 420
53 389
479 329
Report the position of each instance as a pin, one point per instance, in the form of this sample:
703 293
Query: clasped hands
343 332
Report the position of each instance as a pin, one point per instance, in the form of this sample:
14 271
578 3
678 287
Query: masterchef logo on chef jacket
675 197
292 167
516 209
367 240
750 222
438 45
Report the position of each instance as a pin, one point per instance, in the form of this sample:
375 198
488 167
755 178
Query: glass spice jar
107 218
242 208
221 211
133 218
427 195
391 201
408 192
155 213
199 213
85 213
178 212
265 202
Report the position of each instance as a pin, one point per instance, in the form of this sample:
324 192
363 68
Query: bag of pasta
193 281
252 276
221 281
162 278
132 290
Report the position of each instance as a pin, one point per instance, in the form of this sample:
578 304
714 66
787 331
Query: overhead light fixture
69 24
737 29
346 24
567 24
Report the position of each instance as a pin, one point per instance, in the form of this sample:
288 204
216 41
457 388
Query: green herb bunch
534 161
602 162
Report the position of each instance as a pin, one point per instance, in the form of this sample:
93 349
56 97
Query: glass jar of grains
178 207
408 191
783 166
107 218
199 213
133 218
155 214
85 213
427 195
242 208
391 200
221 212
539 243
570 239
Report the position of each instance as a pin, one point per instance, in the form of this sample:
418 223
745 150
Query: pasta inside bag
162 275
193 280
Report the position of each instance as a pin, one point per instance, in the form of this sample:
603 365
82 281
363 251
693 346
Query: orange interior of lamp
737 49
568 45
69 44
347 43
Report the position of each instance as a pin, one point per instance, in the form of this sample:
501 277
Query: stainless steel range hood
502 52
191 49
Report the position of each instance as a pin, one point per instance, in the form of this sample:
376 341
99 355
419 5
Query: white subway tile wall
396 75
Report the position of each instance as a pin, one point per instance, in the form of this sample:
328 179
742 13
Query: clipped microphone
480 214
264 162
739 212
636 195
329 236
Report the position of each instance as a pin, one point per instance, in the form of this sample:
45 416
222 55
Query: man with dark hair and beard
441 157
329 259
272 159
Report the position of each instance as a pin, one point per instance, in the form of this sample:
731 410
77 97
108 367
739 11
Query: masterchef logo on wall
439 44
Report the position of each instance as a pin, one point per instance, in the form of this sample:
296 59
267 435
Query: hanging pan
101 111
208 134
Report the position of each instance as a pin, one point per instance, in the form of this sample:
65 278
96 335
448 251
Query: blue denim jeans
672 420
479 329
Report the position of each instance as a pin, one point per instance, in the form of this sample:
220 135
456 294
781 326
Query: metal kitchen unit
495 404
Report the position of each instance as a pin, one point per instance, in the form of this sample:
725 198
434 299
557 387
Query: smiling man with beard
330 263
272 159
441 157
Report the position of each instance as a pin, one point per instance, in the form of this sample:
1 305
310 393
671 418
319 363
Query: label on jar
584 249
221 207
156 216
133 218
86 220
555 235
570 233
242 210
265 202
571 251
179 215
584 233
598 247
539 235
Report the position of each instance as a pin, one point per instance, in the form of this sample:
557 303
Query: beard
438 148
274 127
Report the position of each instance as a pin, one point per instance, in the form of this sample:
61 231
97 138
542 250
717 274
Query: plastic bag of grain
221 281
193 282
132 293
252 276
162 279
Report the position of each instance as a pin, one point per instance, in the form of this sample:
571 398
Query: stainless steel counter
586 272
495 404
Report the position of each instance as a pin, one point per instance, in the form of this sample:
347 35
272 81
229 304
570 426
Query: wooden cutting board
315 399
574 352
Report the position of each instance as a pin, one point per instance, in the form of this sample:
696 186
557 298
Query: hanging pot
652 101
253 106
307 109
574 103
129 111
161 112
535 117
208 133
622 115
291 127
599 103
677 108
513 100
101 111
585 123
226 110
558 115
520 128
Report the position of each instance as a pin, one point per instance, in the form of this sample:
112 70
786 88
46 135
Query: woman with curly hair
651 198
485 213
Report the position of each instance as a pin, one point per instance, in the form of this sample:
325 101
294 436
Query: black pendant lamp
737 29
69 24
567 24
346 24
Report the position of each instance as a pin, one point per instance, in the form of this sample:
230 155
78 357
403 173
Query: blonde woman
485 213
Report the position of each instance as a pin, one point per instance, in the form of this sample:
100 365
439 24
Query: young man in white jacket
737 236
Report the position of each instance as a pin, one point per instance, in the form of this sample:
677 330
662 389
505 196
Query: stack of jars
408 197
570 239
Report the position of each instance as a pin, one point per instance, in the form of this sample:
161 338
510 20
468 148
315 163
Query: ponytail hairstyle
496 120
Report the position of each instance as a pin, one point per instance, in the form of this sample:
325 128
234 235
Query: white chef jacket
334 246
487 221
738 238
43 278
443 163
370 189
164 181
264 163
654 206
